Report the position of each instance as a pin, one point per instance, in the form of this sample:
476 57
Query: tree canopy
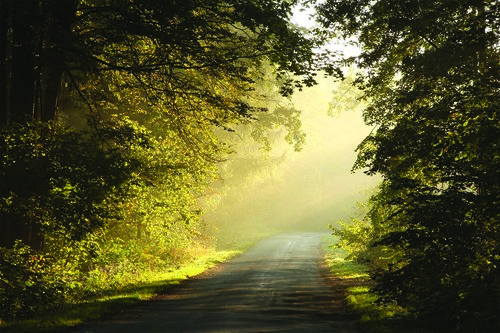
181 68
193 50
111 115
431 76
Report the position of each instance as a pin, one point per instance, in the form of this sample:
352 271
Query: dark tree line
432 79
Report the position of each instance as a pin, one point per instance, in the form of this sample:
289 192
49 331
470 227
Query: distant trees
432 80
258 155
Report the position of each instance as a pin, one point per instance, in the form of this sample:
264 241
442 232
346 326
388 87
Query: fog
306 190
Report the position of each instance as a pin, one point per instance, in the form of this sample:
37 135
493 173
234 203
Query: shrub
26 286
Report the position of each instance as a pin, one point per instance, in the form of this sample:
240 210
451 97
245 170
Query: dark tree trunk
25 20
17 227
19 22
34 39
60 16
5 43
50 99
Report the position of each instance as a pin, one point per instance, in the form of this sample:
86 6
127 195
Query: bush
26 286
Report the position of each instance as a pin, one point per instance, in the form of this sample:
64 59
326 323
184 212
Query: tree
158 44
109 116
432 83
185 65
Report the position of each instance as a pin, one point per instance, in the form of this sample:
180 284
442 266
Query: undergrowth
362 301
146 285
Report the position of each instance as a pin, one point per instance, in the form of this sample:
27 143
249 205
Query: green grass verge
361 300
70 315
340 267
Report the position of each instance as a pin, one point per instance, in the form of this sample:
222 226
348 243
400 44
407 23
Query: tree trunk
5 46
50 99
22 84
34 35
17 227
60 16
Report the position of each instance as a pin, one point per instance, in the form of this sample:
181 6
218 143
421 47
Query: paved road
274 287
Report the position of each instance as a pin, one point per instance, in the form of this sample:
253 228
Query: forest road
276 286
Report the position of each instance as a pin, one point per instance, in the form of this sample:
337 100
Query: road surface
276 286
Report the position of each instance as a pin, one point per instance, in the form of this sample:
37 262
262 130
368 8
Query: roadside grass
361 301
152 284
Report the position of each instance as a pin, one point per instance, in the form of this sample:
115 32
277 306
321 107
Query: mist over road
276 286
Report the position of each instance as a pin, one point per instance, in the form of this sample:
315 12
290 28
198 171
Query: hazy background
321 173
306 190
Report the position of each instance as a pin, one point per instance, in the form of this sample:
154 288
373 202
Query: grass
116 300
335 258
361 300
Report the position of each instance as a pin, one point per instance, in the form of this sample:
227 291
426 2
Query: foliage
132 97
179 56
63 181
129 292
353 237
67 184
361 234
341 266
431 78
360 297
181 69
26 283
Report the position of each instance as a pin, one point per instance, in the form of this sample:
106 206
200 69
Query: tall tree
186 65
432 79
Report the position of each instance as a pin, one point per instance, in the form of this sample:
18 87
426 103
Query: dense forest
431 75
118 118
